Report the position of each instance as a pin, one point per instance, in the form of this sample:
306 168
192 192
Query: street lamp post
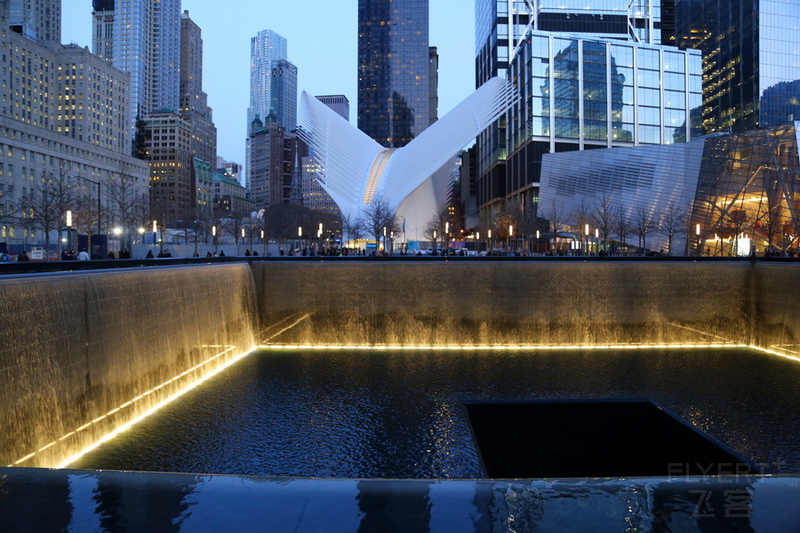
697 233
68 221
510 237
155 232
214 238
597 241
586 233
263 243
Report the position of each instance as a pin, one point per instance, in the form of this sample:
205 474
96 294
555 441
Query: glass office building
265 48
393 70
599 96
580 94
283 93
142 38
751 60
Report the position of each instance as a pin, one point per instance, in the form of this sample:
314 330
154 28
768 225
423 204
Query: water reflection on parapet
50 500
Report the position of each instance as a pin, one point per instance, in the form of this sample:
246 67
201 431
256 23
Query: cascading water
508 303
83 354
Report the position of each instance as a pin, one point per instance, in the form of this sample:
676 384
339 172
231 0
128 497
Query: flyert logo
729 469
710 469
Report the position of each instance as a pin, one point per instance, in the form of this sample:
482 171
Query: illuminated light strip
320 347
290 326
781 347
129 424
375 173
25 458
276 324
45 447
497 347
509 348
131 402
779 354
697 331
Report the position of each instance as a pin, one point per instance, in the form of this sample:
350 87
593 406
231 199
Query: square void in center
594 438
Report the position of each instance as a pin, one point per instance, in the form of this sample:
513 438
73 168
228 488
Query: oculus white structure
355 170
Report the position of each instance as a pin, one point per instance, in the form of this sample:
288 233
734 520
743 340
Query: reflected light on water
355 347
150 411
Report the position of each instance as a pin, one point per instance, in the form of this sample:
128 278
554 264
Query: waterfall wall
776 307
81 354
507 302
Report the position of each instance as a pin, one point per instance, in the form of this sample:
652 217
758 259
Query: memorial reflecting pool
400 414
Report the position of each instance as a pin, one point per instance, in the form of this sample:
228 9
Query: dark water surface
384 414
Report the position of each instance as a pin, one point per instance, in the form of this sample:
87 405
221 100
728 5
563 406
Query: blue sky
322 41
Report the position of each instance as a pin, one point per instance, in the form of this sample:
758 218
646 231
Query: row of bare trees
609 220
43 207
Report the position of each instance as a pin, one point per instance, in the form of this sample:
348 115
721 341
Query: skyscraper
265 48
194 101
195 111
142 37
337 102
751 60
393 70
265 168
38 20
283 93
592 74
59 110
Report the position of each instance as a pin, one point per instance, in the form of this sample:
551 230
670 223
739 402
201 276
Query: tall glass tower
393 70
751 60
143 38
265 48
283 93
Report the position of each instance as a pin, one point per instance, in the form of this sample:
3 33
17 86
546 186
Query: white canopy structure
355 170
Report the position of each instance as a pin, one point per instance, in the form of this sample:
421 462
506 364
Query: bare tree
643 225
435 228
622 224
282 221
604 216
46 205
352 227
556 217
582 216
528 222
8 213
673 222
380 219
770 217
201 224
124 200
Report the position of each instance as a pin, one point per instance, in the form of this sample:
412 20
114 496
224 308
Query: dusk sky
322 41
